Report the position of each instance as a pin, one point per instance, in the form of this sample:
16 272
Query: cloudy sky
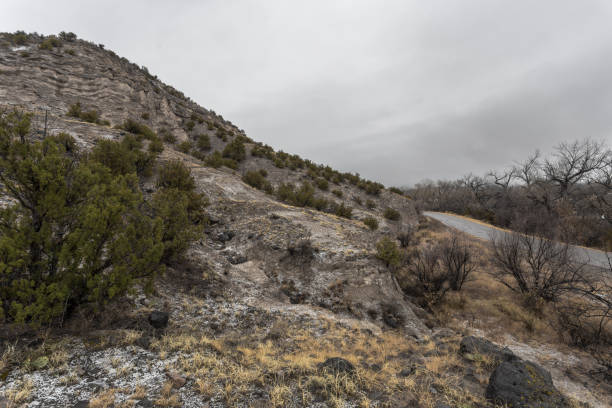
398 91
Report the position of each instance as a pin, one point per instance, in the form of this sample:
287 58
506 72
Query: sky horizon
396 91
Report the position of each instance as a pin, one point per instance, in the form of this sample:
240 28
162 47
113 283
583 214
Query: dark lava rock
236 259
337 365
158 319
523 384
145 403
471 345
225 236
143 342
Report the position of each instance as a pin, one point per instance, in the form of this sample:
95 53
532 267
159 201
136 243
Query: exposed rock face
329 259
523 384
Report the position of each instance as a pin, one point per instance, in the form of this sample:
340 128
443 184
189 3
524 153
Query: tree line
565 196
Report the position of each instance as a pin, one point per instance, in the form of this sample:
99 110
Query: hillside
284 278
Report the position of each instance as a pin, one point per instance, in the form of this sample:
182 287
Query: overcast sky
397 91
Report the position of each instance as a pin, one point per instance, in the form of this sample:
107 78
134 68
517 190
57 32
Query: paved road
483 231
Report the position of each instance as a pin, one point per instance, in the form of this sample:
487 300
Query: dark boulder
158 319
523 384
337 365
225 236
471 346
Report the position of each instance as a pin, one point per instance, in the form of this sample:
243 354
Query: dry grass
103 399
21 393
286 368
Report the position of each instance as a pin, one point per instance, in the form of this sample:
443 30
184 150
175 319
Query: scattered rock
392 316
145 403
471 346
158 319
337 365
80 404
225 236
235 258
177 380
523 384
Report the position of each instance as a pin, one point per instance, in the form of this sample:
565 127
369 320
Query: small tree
180 208
388 252
456 256
536 266
74 232
392 214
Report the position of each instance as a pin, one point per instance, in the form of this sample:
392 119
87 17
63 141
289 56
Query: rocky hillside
282 302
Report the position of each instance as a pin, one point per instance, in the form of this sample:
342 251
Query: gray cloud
397 91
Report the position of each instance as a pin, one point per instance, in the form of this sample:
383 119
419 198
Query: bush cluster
235 150
50 42
217 160
125 157
91 116
258 180
139 129
391 214
79 229
203 142
371 223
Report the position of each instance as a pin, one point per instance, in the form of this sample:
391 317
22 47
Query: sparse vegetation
50 43
235 150
257 180
371 223
391 214
91 116
138 129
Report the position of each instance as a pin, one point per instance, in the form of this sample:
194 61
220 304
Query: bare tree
573 163
537 267
528 171
457 258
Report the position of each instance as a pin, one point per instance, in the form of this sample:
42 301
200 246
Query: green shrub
156 145
263 172
125 157
370 204
371 223
167 136
257 180
216 160
19 38
388 252
396 190
189 125
391 214
74 233
235 150
145 116
175 174
179 207
91 116
67 36
50 42
342 210
322 184
185 146
138 128
70 52
337 193
203 142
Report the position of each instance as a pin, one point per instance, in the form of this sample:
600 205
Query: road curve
484 231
